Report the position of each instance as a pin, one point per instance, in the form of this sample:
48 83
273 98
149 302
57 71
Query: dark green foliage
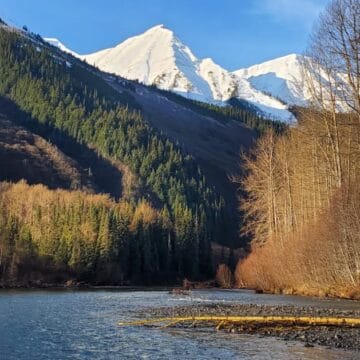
247 113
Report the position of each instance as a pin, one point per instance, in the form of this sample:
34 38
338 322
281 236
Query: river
83 325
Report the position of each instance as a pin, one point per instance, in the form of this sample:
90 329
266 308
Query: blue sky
235 33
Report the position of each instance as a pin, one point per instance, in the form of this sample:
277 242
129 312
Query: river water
83 325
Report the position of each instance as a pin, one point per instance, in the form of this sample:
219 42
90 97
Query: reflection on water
83 325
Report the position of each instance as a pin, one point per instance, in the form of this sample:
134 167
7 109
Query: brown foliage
322 259
224 277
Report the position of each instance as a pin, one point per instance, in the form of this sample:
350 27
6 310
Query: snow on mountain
223 84
158 57
57 43
268 105
281 77
155 57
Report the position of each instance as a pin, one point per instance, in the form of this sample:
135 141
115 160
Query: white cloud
305 11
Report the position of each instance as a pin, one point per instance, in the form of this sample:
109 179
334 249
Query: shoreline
72 286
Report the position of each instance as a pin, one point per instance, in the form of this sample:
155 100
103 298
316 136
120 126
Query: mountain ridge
158 57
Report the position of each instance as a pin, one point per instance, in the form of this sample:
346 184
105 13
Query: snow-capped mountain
155 57
158 57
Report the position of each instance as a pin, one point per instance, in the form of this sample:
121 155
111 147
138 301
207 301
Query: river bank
331 336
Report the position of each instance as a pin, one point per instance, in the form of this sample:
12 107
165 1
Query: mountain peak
158 28
207 60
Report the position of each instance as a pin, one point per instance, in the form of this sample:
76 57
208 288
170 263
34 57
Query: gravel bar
330 336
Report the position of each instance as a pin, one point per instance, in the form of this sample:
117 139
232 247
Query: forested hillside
61 100
213 135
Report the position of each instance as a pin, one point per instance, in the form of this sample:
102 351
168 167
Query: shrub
224 277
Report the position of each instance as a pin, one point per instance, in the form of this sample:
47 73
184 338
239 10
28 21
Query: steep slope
158 57
281 78
216 146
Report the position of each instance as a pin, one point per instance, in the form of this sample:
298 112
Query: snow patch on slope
281 78
269 105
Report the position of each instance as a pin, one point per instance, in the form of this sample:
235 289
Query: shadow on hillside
105 177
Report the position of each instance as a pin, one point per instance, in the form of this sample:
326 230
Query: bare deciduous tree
303 187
